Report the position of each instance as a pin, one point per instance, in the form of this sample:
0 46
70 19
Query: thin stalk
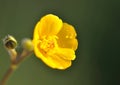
7 75
14 65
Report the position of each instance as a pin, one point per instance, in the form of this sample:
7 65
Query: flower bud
10 42
27 44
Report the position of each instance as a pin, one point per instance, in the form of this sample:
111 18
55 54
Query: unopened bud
10 42
27 44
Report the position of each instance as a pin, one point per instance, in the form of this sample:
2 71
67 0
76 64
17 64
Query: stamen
48 43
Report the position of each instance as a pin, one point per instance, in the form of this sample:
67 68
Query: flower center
48 43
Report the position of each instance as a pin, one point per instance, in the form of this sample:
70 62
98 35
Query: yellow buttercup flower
55 42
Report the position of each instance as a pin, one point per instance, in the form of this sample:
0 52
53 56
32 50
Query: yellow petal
66 53
49 25
37 51
61 59
67 37
56 62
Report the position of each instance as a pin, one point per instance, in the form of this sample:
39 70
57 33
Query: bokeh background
97 25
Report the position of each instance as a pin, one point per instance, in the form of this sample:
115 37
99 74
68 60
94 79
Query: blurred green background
98 55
